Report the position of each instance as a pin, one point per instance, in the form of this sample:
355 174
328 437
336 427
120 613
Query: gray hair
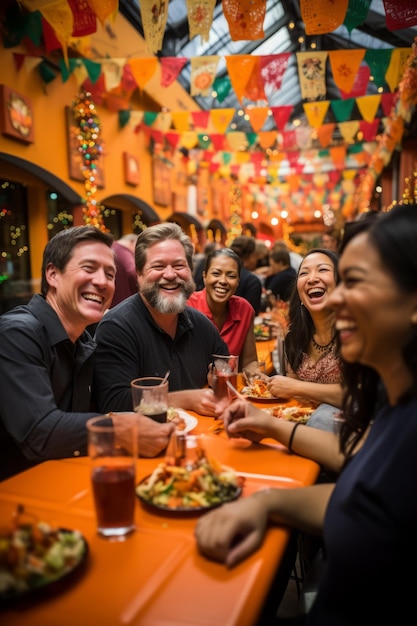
161 232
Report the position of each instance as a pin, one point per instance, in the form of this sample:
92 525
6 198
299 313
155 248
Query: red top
238 323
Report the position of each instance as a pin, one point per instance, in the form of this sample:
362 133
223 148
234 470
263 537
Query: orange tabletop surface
156 577
264 351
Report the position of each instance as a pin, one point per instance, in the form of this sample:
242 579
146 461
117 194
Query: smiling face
373 316
83 290
221 279
316 281
166 281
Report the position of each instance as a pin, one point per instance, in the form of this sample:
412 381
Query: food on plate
33 555
257 389
261 329
204 483
292 413
175 417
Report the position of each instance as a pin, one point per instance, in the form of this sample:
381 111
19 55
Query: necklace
325 348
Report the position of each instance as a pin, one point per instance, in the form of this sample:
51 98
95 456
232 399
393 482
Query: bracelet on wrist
291 439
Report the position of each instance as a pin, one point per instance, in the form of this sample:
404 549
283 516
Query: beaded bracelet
291 439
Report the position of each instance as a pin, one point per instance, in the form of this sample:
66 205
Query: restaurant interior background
288 116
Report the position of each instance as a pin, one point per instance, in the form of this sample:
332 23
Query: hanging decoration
235 195
90 147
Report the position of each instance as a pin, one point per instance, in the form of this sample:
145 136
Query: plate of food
201 486
292 413
36 557
257 391
183 420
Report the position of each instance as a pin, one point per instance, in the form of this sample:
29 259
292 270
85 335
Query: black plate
48 584
192 509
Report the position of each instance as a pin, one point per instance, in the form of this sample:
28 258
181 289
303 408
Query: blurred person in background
200 263
295 258
124 256
281 280
250 286
331 239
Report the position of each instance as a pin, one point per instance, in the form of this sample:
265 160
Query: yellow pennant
345 65
368 106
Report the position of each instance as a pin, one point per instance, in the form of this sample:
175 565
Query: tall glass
224 368
113 449
150 397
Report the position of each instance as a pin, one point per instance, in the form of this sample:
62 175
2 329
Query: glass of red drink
224 368
113 449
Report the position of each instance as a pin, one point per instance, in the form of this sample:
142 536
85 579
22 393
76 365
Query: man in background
124 256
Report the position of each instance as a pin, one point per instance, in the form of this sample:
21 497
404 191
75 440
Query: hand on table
232 532
282 386
202 401
242 419
153 436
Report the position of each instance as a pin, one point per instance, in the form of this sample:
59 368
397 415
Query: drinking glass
113 449
150 397
224 368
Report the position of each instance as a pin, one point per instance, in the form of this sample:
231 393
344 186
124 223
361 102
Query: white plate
190 421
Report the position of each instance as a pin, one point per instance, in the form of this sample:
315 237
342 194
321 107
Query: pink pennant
282 115
360 86
273 68
400 13
170 69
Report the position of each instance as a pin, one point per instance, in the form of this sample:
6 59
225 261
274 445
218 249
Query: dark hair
161 232
223 252
243 246
301 326
280 255
363 222
60 248
394 236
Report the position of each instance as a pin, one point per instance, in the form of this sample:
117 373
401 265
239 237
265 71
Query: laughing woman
232 315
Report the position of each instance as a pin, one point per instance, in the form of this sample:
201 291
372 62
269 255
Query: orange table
264 351
156 577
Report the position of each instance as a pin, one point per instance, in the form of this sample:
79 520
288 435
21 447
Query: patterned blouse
326 370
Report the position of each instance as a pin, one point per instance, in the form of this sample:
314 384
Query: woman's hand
282 386
242 419
232 532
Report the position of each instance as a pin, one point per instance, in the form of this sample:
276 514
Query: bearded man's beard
164 303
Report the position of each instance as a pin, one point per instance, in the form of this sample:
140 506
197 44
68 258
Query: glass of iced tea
150 397
113 450
224 368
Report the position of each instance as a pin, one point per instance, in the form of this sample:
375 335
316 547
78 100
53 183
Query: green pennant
342 109
378 61
252 138
355 148
46 72
203 141
93 70
222 87
124 117
149 117
356 13
33 27
226 158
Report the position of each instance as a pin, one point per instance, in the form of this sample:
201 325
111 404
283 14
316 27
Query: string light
90 147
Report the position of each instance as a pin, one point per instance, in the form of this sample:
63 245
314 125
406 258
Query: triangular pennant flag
46 73
203 141
282 115
149 117
112 70
18 59
143 69
49 37
200 18
203 73
239 68
338 154
237 140
104 9
170 69
154 18
257 116
93 69
289 139
396 68
304 135
345 65
85 22
180 120
369 129
267 138
97 89
273 68
254 88
81 74
342 109
189 139
348 130
218 141
360 86
322 16
221 88
368 106
378 61
200 118
221 118
251 138
356 13
245 18
312 74
173 139
59 16
325 134
163 121
387 103
316 112
400 13
124 117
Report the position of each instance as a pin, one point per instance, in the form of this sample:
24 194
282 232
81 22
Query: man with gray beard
155 331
